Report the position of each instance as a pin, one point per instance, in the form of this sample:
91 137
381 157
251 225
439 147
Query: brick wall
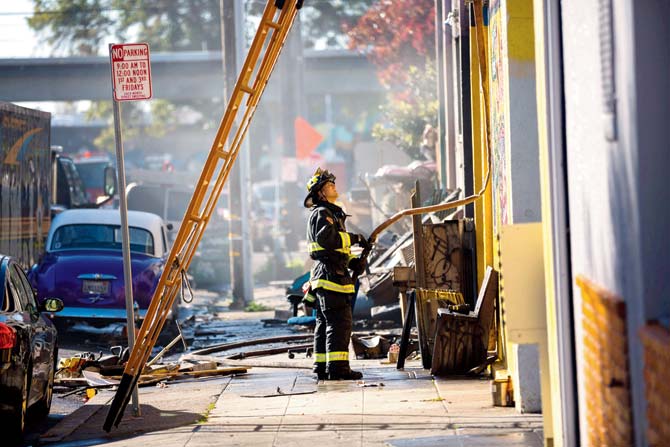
656 343
606 375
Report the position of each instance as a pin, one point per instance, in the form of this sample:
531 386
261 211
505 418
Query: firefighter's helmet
314 185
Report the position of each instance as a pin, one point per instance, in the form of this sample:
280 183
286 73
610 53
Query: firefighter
331 287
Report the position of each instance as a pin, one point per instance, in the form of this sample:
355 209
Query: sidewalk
286 407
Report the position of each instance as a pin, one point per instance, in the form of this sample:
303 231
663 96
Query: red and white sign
131 72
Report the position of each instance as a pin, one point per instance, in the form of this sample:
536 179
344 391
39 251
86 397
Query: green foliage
256 307
172 25
75 26
134 120
204 417
78 27
405 115
324 23
399 38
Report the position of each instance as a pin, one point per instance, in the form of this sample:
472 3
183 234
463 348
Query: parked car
83 263
28 350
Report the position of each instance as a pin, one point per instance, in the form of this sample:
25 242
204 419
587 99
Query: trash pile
85 373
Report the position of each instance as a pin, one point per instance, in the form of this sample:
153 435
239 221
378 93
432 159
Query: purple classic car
83 263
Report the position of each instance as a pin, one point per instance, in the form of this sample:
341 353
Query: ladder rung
246 89
273 25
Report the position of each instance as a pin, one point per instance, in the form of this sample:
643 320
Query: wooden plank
206 373
420 275
443 256
406 329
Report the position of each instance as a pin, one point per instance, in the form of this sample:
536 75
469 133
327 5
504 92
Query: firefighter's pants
332 332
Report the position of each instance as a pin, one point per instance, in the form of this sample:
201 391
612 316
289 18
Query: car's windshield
100 236
93 173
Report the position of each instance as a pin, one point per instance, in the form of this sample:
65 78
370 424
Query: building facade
567 102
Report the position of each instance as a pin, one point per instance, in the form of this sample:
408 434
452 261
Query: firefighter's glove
362 241
309 298
358 265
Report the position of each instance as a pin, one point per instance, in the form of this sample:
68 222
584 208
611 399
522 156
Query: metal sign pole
123 208
245 170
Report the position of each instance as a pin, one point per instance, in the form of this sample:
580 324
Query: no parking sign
131 72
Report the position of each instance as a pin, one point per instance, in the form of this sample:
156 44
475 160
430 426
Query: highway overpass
188 75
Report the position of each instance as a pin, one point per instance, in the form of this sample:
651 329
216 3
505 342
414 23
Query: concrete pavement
287 407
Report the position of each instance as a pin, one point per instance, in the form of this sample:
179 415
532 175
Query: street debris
370 347
259 341
86 371
308 352
270 351
279 392
364 384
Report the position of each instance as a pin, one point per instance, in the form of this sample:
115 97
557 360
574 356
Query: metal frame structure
277 19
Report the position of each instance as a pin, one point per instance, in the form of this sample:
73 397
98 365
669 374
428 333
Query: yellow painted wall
483 222
518 249
498 112
524 304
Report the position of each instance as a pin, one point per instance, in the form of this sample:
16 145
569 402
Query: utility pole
291 71
245 171
446 130
239 257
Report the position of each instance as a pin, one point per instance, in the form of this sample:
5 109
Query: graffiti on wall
498 102
443 255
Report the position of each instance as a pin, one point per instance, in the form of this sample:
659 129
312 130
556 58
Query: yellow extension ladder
277 19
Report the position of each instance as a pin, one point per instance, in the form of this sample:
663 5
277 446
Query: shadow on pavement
86 424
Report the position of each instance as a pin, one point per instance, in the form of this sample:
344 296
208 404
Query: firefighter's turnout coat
330 245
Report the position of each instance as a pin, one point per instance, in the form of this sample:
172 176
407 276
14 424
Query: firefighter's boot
320 371
339 370
345 374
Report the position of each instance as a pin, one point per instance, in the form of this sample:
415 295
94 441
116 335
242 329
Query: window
8 299
29 294
101 237
92 173
17 289
165 244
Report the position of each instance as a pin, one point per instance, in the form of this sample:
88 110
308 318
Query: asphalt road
71 342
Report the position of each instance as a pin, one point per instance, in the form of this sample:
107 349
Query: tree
398 36
404 116
76 26
324 23
80 28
